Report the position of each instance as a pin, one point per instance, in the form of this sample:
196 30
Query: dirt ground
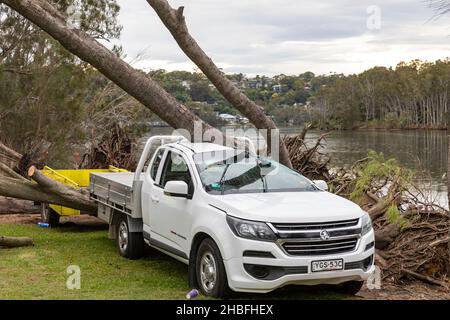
408 290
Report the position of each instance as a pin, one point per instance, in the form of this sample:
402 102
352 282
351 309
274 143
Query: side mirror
322 185
178 189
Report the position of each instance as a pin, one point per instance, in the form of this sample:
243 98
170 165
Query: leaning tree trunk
176 24
134 82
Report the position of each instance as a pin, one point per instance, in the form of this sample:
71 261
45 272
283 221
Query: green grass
39 272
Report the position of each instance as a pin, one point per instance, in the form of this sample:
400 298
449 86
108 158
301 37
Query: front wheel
129 244
350 287
211 274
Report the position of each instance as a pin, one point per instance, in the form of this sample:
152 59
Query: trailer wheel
211 275
129 244
50 216
350 287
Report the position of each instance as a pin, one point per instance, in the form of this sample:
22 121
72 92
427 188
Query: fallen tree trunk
10 153
15 242
62 195
43 190
10 172
14 206
175 22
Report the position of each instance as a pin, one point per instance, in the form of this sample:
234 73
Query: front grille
315 225
312 248
307 239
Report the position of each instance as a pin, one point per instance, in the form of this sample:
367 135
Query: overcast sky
289 36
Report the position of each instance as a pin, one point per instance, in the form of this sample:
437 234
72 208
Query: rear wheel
350 287
211 274
50 216
129 244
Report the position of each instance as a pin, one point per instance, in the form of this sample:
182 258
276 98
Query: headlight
366 224
251 229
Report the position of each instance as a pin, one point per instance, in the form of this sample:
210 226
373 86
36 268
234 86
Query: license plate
327 265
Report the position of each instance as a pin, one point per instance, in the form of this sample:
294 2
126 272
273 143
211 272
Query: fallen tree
13 206
411 229
37 187
114 148
309 160
15 242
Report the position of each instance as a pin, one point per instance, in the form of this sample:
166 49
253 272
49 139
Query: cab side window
156 163
176 169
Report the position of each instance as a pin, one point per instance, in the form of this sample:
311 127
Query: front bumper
294 269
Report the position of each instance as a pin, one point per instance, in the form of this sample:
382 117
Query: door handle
155 199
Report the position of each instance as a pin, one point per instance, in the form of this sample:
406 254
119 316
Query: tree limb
14 242
175 22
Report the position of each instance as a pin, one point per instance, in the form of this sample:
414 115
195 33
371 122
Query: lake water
424 151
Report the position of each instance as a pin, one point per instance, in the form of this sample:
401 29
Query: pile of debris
309 160
411 229
115 148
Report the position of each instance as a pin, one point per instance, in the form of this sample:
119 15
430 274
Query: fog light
367 263
257 271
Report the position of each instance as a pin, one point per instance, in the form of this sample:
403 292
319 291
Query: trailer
75 178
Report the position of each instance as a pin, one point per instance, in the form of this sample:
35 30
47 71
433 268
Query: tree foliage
44 90
413 95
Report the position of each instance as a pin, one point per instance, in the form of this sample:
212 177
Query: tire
129 244
50 216
211 275
350 287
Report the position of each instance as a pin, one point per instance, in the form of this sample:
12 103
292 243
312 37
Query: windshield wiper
222 178
260 164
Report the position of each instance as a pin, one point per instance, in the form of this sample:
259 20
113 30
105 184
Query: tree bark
14 242
14 206
8 152
175 22
385 236
45 190
62 195
10 172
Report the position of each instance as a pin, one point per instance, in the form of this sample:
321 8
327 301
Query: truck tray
114 190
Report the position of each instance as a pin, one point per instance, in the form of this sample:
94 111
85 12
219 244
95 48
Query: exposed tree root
411 232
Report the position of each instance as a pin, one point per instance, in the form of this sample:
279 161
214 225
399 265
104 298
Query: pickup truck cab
240 222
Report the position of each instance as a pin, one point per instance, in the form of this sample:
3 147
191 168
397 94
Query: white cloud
288 36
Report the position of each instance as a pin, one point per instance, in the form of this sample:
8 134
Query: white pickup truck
240 222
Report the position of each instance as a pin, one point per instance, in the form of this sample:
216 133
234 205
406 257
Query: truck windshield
231 171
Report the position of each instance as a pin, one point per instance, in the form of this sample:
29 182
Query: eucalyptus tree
44 88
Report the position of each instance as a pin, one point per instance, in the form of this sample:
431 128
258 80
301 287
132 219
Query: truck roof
200 147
